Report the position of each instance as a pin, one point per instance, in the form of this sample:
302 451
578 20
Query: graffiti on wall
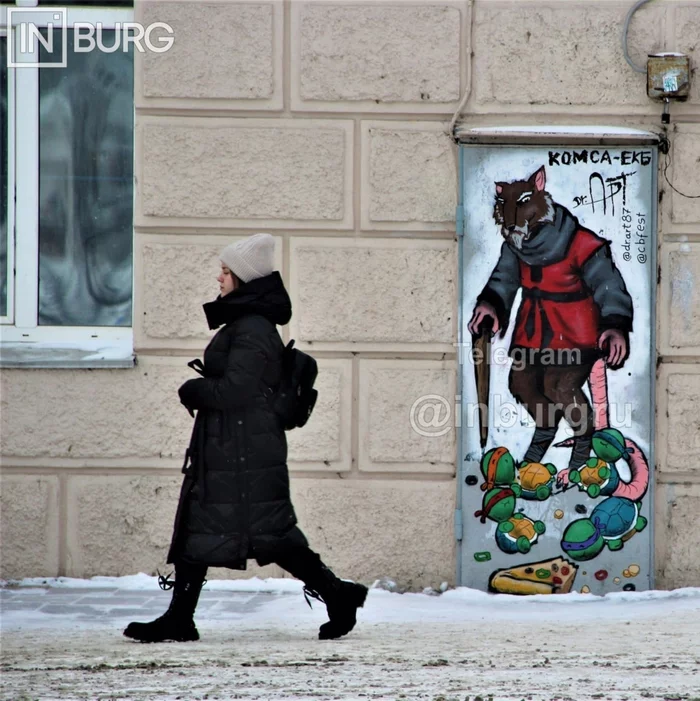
565 291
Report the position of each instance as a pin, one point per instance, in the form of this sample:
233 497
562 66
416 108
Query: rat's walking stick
481 356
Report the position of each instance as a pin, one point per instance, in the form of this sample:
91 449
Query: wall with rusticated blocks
326 124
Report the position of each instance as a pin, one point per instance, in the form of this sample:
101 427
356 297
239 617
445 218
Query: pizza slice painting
555 576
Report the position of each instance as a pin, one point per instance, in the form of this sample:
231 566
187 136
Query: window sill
33 356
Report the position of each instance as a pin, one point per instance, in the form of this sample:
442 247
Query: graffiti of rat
575 309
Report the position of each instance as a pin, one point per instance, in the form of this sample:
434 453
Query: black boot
342 599
580 452
541 440
177 623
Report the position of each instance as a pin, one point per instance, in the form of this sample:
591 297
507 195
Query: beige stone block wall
407 420
561 57
123 524
680 295
226 55
678 427
81 416
30 531
686 30
676 522
401 529
324 444
225 172
373 294
686 157
119 524
325 123
409 176
177 277
378 56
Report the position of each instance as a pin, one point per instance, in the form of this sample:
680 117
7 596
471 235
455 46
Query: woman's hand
182 393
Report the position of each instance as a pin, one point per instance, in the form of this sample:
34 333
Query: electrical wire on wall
625 30
665 148
665 143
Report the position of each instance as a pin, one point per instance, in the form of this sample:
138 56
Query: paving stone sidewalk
102 604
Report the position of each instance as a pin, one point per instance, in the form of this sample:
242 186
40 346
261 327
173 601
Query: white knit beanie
251 258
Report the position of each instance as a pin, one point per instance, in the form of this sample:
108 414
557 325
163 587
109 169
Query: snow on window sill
42 355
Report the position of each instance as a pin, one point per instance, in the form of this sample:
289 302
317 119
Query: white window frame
8 318
20 330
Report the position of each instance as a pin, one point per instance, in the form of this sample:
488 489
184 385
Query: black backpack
294 397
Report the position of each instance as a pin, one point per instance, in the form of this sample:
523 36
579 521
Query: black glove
182 398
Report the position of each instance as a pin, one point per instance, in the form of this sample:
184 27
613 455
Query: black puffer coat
235 503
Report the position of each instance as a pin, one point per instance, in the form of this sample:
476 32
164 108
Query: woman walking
235 502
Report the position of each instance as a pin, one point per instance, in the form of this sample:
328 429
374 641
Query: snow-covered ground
259 642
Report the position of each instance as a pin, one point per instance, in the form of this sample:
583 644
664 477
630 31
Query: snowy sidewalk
64 641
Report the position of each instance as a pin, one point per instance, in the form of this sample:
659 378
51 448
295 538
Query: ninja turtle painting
515 533
612 522
554 282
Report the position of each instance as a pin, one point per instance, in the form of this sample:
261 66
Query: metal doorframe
555 137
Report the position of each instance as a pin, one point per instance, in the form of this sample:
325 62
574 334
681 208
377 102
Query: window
5 261
66 216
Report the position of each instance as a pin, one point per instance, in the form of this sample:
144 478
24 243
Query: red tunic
559 299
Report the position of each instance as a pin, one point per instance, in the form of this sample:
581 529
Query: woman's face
228 282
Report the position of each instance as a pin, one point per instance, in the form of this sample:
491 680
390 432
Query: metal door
558 244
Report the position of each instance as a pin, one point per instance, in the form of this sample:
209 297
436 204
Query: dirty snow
460 644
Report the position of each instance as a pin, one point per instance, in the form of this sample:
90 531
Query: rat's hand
483 311
613 343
